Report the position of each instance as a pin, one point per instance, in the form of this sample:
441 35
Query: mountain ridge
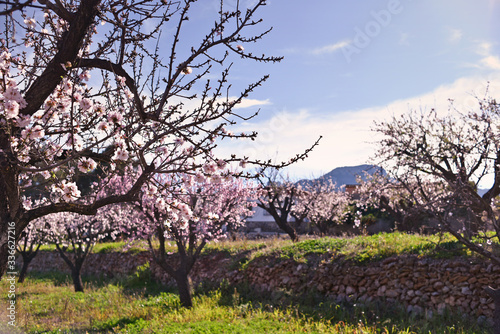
346 175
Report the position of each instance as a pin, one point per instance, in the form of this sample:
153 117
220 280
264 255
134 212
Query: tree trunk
77 278
288 229
76 268
9 204
4 254
495 295
185 288
24 270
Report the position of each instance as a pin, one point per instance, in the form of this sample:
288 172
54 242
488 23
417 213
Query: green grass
363 249
46 304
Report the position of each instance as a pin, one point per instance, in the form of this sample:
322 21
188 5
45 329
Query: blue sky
348 63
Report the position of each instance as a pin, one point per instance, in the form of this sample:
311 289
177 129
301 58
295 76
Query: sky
349 63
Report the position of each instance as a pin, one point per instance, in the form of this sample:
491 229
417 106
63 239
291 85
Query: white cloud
488 60
331 48
454 35
347 136
492 62
247 103
484 48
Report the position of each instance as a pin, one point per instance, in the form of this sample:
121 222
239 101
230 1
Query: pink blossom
183 223
46 174
187 70
11 109
213 216
12 93
210 168
27 203
121 154
240 47
121 80
188 179
30 22
67 87
86 165
184 210
33 132
70 190
84 76
77 97
221 164
199 177
103 126
150 190
216 179
98 108
115 117
86 104
37 132
128 94
179 141
23 121
74 140
5 61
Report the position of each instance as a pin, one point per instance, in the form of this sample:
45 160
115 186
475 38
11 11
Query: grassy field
46 302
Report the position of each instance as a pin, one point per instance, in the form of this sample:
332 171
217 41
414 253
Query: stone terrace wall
421 284
109 264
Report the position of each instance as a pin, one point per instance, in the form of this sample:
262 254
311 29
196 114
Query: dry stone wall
108 264
421 284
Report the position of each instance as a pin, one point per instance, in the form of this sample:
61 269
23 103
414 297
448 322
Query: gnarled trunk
76 268
185 287
4 254
27 258
290 231
9 203
77 278
283 224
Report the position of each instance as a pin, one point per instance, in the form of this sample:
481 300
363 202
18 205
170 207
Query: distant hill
347 175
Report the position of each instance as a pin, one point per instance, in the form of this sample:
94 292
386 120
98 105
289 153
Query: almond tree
75 235
191 210
322 202
443 159
398 200
101 84
278 198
